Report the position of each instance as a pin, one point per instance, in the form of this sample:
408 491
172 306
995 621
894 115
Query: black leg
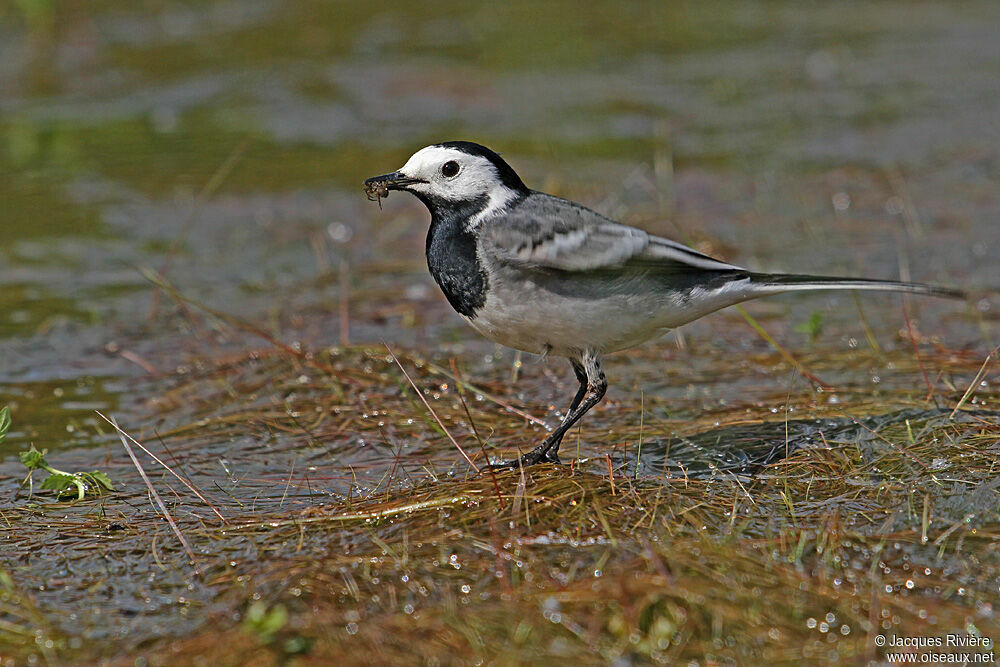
581 377
593 384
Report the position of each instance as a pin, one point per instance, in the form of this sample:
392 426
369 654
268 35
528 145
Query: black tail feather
781 282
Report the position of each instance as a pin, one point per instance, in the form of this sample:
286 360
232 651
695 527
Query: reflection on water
747 449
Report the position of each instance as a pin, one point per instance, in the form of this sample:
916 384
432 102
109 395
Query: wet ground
220 147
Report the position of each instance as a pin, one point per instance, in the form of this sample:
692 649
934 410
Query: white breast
566 314
541 322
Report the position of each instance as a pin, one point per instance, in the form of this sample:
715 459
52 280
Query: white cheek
463 187
475 180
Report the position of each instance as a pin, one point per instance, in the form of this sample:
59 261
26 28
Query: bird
548 276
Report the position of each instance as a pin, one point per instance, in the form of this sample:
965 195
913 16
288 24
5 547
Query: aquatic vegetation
64 483
757 539
58 481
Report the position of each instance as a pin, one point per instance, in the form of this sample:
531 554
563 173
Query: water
747 450
222 145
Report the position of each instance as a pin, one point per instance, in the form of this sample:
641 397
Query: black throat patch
451 255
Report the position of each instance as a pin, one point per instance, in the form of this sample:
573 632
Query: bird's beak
377 187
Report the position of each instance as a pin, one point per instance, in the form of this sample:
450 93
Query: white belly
566 316
540 324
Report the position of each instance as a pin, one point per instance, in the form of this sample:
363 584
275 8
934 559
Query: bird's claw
538 455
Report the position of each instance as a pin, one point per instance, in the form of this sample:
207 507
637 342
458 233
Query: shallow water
222 145
747 449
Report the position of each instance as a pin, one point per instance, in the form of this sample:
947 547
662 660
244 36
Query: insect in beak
377 187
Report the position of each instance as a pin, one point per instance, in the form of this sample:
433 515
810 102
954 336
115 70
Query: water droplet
339 232
894 205
841 201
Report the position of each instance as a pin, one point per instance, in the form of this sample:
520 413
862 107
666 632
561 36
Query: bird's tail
776 283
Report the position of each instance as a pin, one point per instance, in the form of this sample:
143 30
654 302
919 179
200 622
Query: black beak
377 187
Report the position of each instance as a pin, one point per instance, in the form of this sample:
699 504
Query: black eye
449 169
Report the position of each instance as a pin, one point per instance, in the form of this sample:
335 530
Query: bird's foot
537 455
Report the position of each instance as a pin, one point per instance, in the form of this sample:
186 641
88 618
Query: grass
869 526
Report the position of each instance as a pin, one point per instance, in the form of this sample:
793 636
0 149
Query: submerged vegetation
697 540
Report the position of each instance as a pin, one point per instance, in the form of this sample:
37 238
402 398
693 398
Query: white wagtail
549 276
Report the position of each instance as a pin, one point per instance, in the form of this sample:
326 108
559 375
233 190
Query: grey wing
546 232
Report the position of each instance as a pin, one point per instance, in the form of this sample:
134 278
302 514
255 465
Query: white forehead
432 157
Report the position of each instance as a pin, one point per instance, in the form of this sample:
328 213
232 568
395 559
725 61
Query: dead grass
358 535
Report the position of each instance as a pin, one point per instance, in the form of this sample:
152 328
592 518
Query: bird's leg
593 384
581 377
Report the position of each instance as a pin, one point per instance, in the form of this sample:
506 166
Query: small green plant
265 624
60 482
4 422
812 327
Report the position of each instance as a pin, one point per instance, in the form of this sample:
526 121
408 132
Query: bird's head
453 175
